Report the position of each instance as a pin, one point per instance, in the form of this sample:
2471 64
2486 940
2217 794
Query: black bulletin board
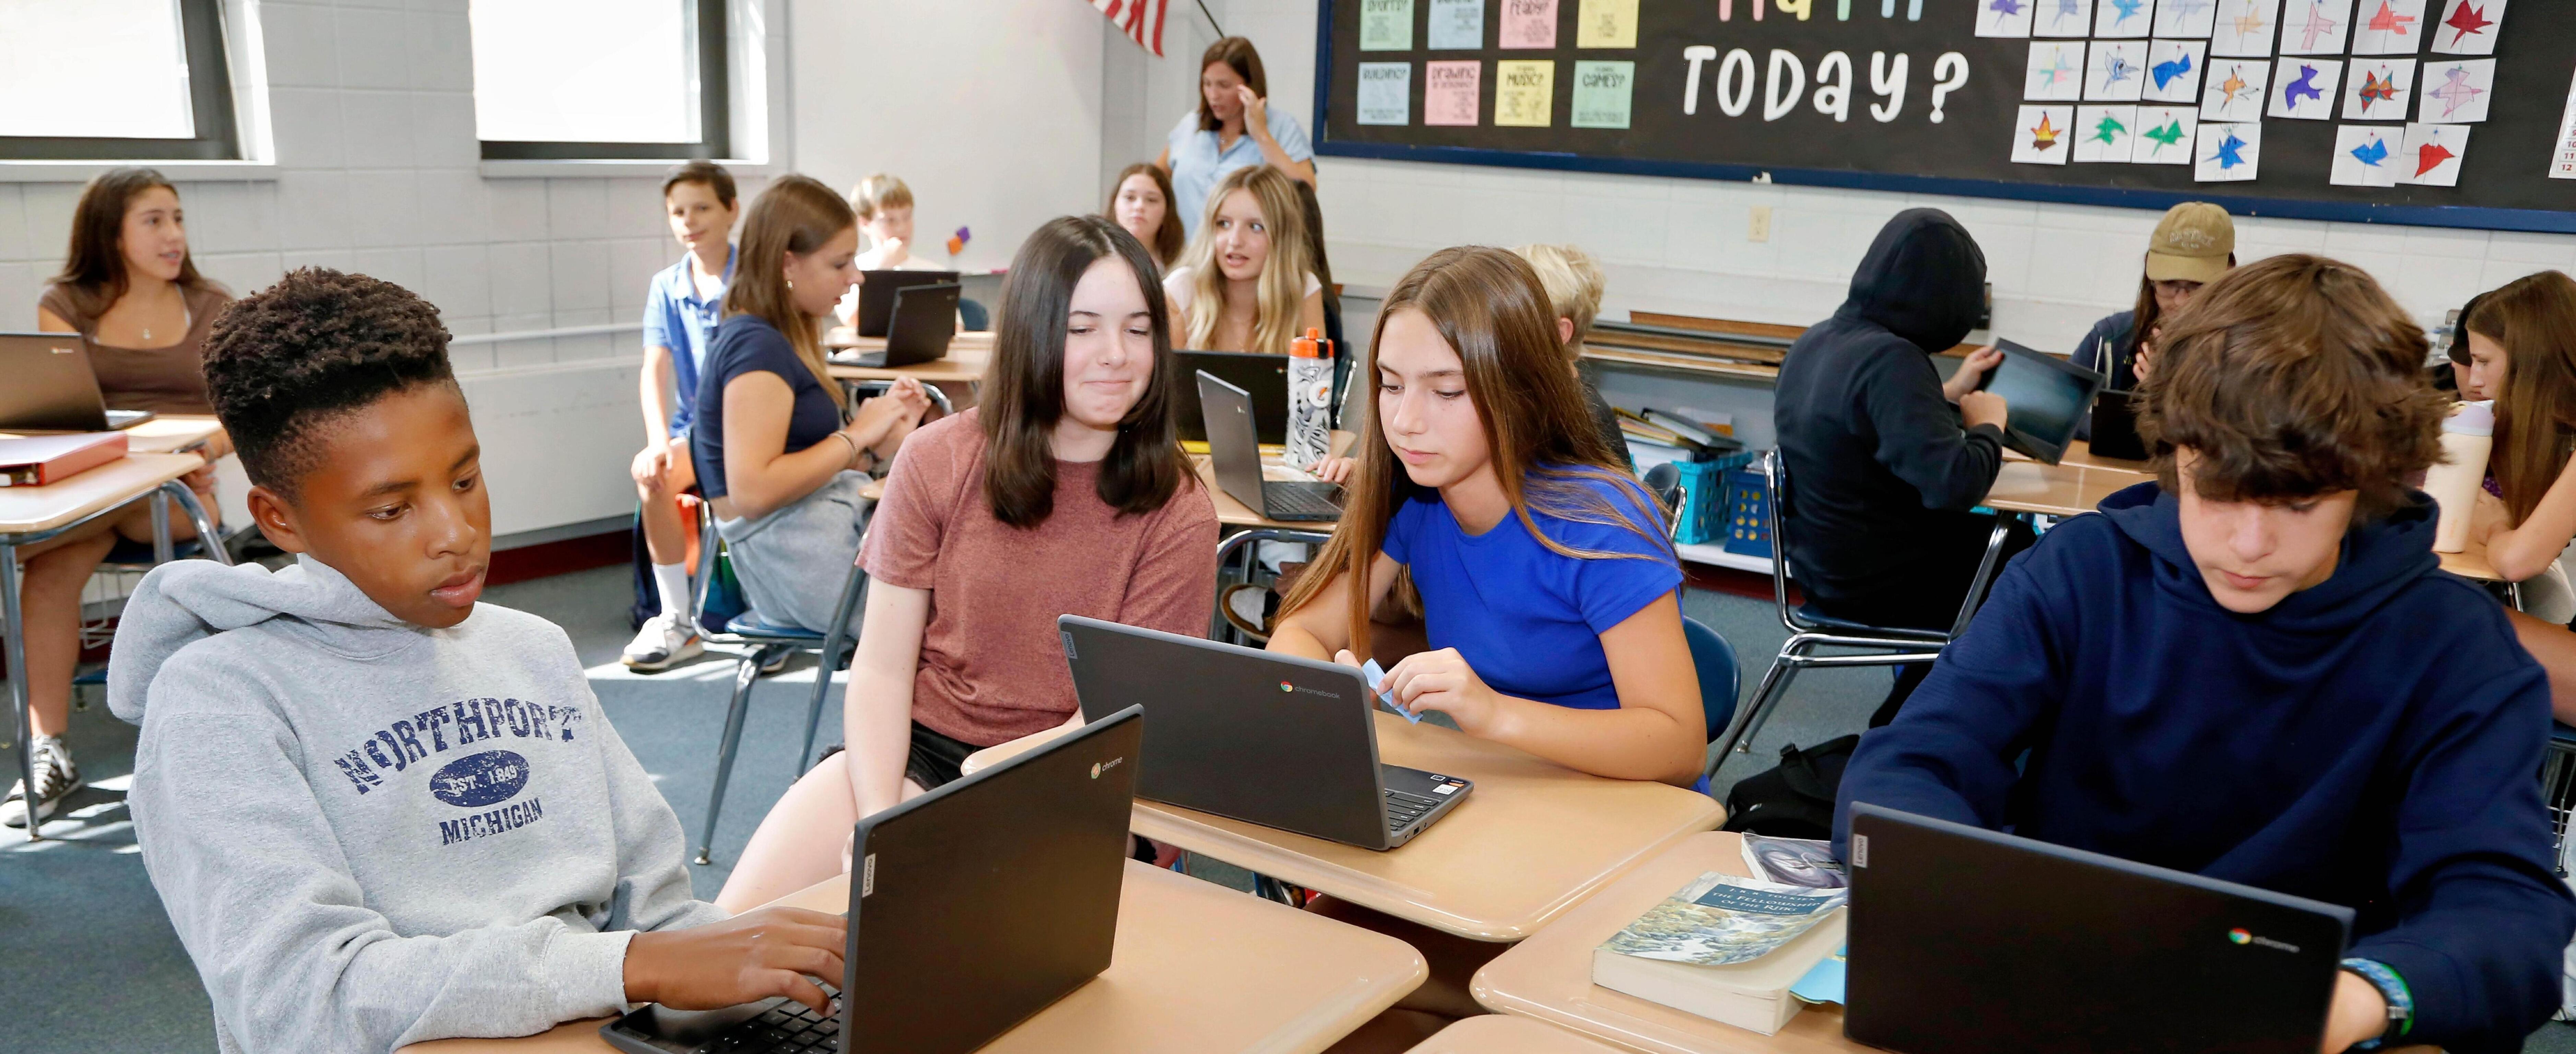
2503 185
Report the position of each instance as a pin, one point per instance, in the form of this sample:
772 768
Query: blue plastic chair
1720 678
972 316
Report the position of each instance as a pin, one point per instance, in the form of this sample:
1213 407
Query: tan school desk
1279 980
1507 1034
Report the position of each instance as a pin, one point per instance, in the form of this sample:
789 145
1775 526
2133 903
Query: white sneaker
664 642
56 779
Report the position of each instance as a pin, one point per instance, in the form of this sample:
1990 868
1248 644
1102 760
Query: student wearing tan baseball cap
2192 247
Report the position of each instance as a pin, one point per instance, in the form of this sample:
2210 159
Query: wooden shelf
1715 556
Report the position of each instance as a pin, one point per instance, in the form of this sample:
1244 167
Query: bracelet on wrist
2401 1000
852 461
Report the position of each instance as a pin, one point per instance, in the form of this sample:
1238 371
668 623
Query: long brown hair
1168 237
2534 317
1239 54
796 214
1024 386
1280 291
1547 454
93 273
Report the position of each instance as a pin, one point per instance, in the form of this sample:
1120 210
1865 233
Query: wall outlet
1760 229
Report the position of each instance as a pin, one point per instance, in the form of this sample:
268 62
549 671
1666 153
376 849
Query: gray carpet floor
88 961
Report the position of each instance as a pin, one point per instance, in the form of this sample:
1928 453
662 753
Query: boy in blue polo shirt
680 312
2255 670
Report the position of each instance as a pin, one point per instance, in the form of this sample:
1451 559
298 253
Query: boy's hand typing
752 956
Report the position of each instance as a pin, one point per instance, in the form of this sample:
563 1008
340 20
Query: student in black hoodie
1884 458
2254 670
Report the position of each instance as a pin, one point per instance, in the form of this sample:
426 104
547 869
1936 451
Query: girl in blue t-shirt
1549 589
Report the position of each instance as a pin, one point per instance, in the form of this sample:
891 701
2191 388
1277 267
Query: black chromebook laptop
1237 459
925 320
1264 377
1967 940
1269 739
972 908
877 289
2044 397
2115 427
51 388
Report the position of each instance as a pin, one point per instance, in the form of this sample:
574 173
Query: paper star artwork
2432 154
2305 88
2244 28
2378 89
2042 134
2314 27
2364 157
2468 27
2456 91
2233 90
2062 18
2117 71
2105 133
2056 71
2185 18
2228 153
2164 135
2388 27
2123 18
2004 18
2173 71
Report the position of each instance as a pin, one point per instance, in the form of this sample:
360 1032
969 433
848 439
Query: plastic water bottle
2456 480
1310 399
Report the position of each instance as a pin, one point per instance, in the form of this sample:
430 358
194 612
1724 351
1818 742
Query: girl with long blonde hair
1247 282
1549 586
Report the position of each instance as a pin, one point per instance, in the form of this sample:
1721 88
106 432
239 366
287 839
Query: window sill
572 169
178 171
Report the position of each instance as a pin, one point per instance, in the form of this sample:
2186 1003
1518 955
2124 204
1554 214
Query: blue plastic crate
1748 508
1702 518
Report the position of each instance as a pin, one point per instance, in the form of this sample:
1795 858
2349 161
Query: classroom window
599 79
114 80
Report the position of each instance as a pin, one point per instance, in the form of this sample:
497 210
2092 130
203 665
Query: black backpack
1795 800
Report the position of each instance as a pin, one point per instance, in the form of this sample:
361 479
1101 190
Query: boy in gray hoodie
377 811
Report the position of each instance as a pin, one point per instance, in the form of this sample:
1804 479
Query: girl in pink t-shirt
1064 492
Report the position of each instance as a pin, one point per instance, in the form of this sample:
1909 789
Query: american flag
1141 19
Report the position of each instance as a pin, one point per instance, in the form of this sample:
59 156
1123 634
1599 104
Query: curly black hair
316 345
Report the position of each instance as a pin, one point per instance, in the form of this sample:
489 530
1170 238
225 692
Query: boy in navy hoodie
2254 670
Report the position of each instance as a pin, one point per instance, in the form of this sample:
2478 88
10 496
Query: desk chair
1239 547
1810 630
135 558
2558 787
765 643
1720 678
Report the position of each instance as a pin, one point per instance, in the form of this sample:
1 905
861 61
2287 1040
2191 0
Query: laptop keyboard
788 1028
1402 809
1298 501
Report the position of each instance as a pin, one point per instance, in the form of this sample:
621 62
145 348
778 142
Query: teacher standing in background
1232 128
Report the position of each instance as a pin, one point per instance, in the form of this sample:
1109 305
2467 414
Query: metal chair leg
744 674
851 590
1775 687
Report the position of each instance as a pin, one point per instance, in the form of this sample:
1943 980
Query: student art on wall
2432 154
2315 27
2004 18
1386 93
2305 88
2173 70
1528 24
2243 28
2230 152
1524 93
2234 89
2388 27
2378 89
2115 71
2366 156
1386 25
1457 25
2456 91
2056 72
2186 18
1451 92
1603 94
2468 27
2061 18
2165 135
2105 133
2124 18
2041 136
1606 24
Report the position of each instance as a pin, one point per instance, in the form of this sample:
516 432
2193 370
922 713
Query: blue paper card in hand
1377 674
